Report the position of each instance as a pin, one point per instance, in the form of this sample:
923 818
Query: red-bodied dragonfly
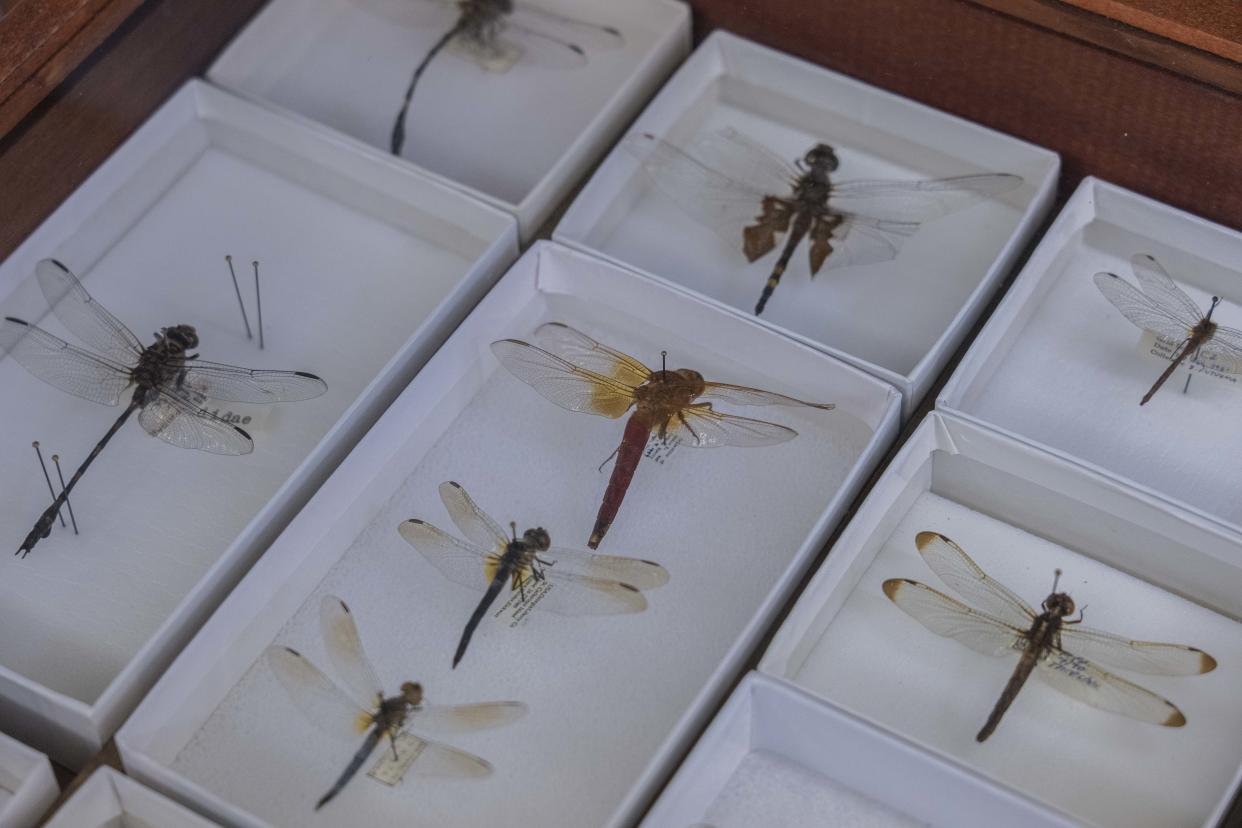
574 371
1053 647
360 708
580 583
751 198
169 382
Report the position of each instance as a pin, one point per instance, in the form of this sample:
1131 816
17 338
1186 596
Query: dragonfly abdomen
633 441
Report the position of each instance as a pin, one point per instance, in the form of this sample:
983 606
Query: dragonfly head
183 336
823 157
412 692
1059 603
538 538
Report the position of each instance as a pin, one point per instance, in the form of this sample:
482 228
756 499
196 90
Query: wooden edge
1123 39
1211 25
41 43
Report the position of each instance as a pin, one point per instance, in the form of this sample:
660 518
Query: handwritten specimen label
517 608
1206 364
661 450
391 770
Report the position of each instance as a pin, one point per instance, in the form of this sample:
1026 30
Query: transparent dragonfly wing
562 382
1078 678
449 720
586 35
62 365
1149 657
181 423
573 594
636 572
742 395
346 653
315 696
474 523
459 561
83 316
701 427
576 347
1170 322
857 241
744 159
1160 288
1225 347
712 197
918 201
951 618
436 760
230 383
953 566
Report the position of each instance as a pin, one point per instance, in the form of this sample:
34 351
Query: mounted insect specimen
579 374
169 382
1053 646
578 583
362 708
500 32
752 197
1164 309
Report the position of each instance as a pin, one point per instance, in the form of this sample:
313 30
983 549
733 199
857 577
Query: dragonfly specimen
752 197
497 32
1053 646
1165 310
362 708
168 381
578 373
580 583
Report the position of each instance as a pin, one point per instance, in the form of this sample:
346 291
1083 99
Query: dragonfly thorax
161 362
481 15
667 391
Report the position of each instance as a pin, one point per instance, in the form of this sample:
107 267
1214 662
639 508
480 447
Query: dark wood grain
1212 25
42 41
1109 115
76 127
1158 50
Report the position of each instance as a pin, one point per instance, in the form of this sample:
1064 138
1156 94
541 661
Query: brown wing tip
1206 663
1176 719
892 585
293 651
924 539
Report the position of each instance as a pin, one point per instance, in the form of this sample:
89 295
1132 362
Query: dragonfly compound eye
538 538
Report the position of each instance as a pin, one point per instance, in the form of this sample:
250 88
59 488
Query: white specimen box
778 757
613 700
1058 366
521 139
108 799
900 320
1140 567
27 785
366 267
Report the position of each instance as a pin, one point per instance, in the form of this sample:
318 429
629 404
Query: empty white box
112 800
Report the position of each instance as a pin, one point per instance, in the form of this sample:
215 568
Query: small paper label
391 770
249 418
517 609
660 449
1206 364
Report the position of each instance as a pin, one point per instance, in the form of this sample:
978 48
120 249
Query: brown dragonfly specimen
752 197
362 709
574 371
1055 648
1165 310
